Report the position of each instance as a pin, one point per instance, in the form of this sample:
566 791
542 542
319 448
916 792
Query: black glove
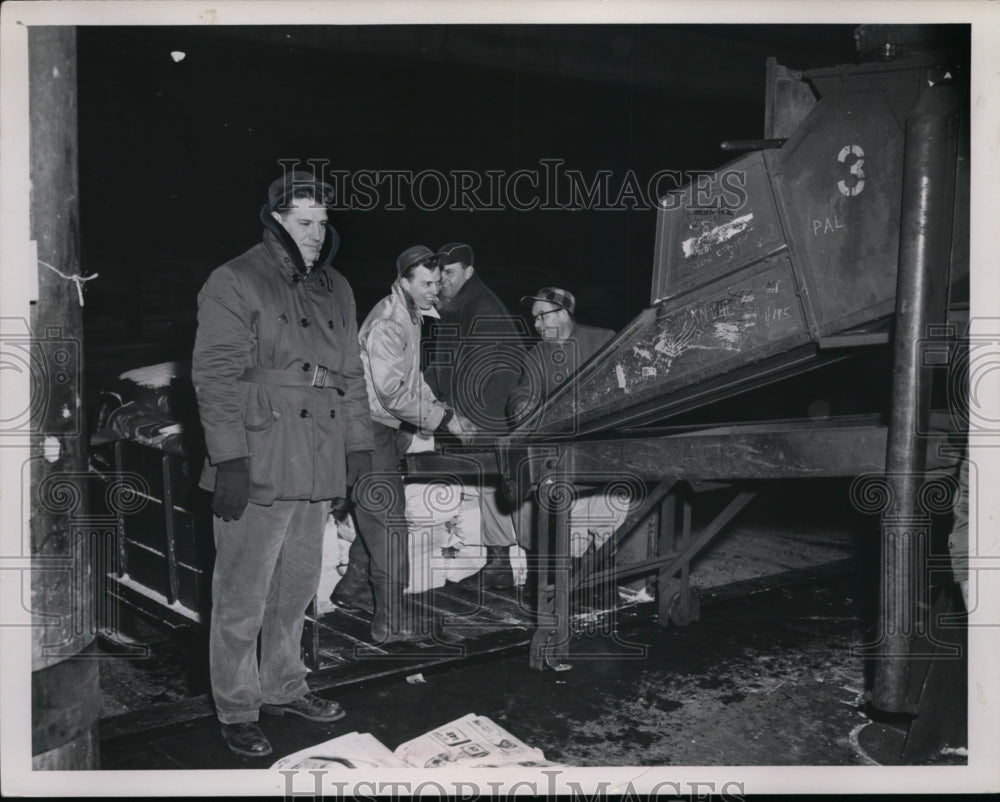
443 425
232 488
339 507
358 464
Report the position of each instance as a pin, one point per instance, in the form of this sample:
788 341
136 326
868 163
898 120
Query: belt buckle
319 376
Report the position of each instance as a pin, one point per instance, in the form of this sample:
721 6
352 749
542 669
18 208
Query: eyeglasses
540 315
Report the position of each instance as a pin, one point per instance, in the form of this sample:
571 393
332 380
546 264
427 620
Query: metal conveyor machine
844 232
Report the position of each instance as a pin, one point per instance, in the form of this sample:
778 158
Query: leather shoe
497 573
359 601
310 706
246 738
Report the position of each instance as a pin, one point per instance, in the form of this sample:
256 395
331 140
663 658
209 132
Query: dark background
175 157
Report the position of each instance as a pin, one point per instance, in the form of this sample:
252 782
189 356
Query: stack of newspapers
472 742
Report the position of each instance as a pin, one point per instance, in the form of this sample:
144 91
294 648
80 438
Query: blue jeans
267 569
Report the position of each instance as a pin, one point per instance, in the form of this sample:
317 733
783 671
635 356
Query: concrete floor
768 680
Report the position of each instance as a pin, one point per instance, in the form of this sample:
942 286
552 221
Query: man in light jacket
401 404
282 400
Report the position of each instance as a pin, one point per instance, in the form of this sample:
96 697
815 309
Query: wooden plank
191 712
673 562
459 463
474 608
665 544
332 635
749 587
634 519
818 452
151 608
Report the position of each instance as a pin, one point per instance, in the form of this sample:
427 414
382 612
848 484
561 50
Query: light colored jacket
390 354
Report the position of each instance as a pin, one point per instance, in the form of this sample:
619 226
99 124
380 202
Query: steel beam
739 453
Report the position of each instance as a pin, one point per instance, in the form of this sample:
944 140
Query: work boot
246 738
353 592
497 573
310 706
393 621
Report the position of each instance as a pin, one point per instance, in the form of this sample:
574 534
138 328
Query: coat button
304 413
305 323
329 323
333 413
306 366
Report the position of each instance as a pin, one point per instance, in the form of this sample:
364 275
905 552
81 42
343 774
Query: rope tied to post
76 278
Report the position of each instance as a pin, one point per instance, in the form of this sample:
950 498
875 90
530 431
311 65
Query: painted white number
856 170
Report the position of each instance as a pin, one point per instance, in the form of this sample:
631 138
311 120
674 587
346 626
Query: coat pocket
260 412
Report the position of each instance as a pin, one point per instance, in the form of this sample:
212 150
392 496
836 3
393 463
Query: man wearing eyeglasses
564 347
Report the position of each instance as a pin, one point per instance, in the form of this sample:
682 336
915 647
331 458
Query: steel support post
924 258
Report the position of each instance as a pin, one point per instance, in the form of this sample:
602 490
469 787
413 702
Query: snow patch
620 375
154 376
51 449
159 598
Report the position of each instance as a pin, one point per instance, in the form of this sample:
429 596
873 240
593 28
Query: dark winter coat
264 310
549 364
477 355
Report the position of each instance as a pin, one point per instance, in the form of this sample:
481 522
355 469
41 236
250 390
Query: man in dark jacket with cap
565 346
477 358
282 400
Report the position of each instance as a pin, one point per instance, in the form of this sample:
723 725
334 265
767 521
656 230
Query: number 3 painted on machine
856 170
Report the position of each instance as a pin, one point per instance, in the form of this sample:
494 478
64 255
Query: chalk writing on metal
826 225
712 236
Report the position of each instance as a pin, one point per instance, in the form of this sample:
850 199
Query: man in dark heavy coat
477 358
282 399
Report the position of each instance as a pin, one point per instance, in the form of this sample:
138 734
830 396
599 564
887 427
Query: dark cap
283 189
553 295
416 255
456 252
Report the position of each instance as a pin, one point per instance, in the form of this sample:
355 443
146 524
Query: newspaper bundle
472 741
